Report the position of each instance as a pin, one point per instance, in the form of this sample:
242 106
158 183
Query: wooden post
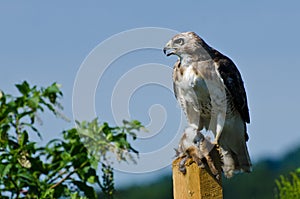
197 183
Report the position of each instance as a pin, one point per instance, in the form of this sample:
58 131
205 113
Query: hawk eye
179 41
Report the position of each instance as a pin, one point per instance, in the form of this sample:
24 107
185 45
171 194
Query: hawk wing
234 84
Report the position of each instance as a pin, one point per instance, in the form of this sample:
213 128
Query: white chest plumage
201 86
190 83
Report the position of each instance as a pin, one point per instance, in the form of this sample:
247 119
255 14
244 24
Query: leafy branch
288 187
63 167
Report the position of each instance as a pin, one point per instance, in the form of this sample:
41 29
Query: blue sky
43 42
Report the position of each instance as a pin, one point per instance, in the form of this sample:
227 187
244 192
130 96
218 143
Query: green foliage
288 187
102 138
102 141
64 168
108 182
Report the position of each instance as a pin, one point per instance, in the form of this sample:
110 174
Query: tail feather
233 163
242 161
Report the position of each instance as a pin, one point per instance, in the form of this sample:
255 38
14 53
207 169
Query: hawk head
187 44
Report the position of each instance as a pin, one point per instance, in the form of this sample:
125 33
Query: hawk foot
181 165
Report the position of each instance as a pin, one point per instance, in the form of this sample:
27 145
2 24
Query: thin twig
63 179
68 176
18 128
62 173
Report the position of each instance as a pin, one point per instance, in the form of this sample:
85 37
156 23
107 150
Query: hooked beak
168 50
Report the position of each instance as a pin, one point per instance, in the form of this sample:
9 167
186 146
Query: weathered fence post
197 183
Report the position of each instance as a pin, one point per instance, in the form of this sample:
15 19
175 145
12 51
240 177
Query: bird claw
212 166
201 165
181 165
197 148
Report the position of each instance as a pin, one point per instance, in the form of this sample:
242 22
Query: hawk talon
181 165
201 165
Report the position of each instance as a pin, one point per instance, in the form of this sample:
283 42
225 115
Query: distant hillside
257 185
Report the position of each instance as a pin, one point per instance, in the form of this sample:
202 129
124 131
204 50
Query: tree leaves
4 168
101 139
288 187
63 168
24 88
108 182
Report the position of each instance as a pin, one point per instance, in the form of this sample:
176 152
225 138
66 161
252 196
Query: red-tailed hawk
211 92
